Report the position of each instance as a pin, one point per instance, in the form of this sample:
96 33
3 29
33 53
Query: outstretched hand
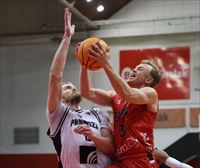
69 29
84 130
99 53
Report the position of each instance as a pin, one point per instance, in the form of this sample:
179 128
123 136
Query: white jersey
77 150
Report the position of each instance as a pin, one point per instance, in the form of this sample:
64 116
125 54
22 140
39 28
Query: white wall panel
152 17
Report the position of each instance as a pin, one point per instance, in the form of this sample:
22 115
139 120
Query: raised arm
97 96
145 95
58 64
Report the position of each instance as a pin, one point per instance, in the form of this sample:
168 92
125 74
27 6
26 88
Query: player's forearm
59 59
85 84
172 162
105 144
97 96
118 84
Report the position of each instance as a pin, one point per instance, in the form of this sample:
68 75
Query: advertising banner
195 117
170 118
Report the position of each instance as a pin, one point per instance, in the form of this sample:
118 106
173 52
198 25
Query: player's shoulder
149 91
103 114
97 110
60 107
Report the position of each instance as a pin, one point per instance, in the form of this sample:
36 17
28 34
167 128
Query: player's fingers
77 129
108 49
81 128
65 16
77 46
69 16
95 47
73 27
92 53
92 56
99 46
84 132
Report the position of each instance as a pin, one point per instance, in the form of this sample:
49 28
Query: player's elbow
111 147
110 150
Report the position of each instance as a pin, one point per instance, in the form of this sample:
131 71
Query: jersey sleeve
104 120
56 117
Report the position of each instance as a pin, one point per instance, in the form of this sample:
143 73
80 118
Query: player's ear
149 81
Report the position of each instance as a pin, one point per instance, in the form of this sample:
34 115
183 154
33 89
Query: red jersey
133 133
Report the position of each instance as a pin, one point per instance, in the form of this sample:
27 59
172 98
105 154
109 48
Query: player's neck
74 106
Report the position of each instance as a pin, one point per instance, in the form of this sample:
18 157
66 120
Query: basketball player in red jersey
135 107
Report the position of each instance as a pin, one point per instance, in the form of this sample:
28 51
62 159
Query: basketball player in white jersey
82 138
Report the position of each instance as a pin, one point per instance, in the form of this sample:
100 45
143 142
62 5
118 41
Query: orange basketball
82 54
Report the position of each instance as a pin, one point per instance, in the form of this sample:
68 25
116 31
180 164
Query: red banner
173 62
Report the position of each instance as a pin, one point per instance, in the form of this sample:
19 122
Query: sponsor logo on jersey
121 114
81 121
88 155
128 144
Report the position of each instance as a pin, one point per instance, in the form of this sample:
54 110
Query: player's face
70 93
68 89
140 76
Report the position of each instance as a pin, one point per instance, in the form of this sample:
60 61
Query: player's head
144 74
70 94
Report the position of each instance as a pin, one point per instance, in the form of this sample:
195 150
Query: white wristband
173 163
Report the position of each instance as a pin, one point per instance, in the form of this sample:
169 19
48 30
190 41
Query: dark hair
155 72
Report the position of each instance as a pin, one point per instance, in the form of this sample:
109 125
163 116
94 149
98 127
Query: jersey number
122 131
87 139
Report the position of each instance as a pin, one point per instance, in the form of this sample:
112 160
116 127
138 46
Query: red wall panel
28 161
